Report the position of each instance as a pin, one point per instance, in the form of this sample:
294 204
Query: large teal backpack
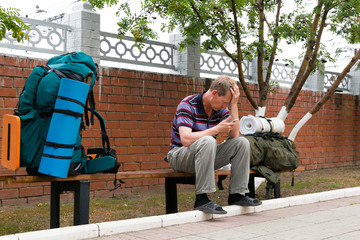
36 105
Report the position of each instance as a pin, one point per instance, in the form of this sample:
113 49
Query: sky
48 9
43 9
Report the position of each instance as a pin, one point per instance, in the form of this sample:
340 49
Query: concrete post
315 82
187 62
355 81
85 34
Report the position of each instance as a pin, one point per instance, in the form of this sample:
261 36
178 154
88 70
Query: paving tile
337 219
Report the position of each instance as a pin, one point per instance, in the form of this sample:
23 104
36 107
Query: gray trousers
204 156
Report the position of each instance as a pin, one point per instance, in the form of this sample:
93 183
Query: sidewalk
325 215
331 220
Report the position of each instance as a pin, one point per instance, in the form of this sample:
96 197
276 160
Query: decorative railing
218 63
124 50
284 73
330 78
44 37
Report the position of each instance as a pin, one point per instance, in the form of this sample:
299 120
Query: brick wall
138 108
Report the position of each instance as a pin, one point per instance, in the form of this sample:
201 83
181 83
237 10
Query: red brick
128 125
122 142
128 74
123 107
97 186
148 165
135 150
18 62
150 116
10 102
146 125
119 133
150 182
42 199
114 116
138 133
26 72
9 202
140 141
167 102
134 100
132 182
31 191
7 92
151 101
6 111
136 83
152 149
142 158
8 193
133 116
6 82
19 83
116 99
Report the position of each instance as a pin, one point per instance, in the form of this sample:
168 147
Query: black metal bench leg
171 195
55 205
81 191
277 193
81 202
251 186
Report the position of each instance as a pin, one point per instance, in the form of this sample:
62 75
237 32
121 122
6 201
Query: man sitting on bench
198 120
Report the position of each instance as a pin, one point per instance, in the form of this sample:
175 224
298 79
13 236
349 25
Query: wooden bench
80 185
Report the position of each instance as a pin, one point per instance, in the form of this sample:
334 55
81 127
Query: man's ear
213 92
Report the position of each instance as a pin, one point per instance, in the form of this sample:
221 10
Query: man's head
220 92
222 84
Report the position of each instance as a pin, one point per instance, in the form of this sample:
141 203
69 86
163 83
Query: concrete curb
131 225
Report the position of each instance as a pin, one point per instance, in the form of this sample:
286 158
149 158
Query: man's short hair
222 84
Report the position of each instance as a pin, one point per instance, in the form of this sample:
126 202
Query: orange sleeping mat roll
10 149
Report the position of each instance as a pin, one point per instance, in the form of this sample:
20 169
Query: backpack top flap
76 57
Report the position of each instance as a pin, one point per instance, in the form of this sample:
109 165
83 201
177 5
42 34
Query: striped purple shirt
191 113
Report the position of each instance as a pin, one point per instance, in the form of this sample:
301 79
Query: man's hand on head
235 92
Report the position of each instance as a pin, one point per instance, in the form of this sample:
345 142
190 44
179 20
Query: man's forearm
234 113
188 138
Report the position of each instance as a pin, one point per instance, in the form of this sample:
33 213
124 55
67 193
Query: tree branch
274 47
221 17
290 100
312 61
210 33
331 91
239 60
269 26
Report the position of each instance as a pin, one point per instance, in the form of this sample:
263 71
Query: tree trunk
260 56
239 60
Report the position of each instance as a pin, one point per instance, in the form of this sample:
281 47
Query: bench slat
161 173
